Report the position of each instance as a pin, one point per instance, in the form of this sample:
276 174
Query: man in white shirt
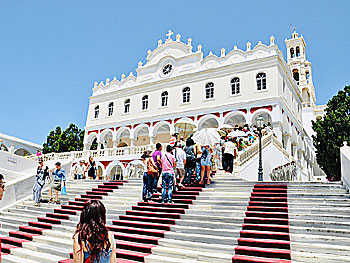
229 153
180 156
80 170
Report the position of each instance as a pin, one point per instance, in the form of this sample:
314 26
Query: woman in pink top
168 165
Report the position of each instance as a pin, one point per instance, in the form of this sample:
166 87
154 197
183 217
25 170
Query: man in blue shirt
60 175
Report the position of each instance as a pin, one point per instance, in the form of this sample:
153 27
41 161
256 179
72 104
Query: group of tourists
43 177
229 147
57 185
286 172
81 169
176 162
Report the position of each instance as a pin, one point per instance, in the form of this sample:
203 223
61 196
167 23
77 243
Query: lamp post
260 123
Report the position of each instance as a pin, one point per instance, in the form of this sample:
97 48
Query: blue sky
51 52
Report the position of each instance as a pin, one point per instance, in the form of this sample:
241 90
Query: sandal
50 200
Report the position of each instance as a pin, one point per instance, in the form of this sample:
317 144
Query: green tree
331 131
71 139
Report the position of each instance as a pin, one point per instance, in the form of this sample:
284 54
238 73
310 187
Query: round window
167 69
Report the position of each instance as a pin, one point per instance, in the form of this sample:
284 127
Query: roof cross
170 33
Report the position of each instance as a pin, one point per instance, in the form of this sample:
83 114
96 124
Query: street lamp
260 123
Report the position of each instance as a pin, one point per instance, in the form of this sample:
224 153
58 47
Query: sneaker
171 202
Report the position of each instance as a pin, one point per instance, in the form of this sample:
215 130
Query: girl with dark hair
93 243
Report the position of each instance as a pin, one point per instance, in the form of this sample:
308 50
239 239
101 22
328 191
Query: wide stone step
192 254
35 256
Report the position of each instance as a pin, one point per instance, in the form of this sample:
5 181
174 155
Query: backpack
189 153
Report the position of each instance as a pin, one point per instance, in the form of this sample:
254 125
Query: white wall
272 157
15 166
19 173
345 165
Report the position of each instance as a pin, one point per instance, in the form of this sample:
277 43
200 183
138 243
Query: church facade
178 83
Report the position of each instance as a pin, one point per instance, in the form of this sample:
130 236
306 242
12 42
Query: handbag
151 168
64 189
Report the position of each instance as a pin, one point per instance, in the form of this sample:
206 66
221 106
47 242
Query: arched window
261 81
145 102
186 95
296 75
110 109
164 98
235 86
297 51
97 111
292 55
127 106
209 90
307 74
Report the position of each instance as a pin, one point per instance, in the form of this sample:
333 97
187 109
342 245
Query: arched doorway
161 132
116 173
106 138
235 119
265 115
123 137
22 152
141 135
208 122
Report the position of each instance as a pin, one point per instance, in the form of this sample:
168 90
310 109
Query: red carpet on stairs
265 232
141 228
34 228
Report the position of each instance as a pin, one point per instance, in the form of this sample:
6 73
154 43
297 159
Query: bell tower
300 68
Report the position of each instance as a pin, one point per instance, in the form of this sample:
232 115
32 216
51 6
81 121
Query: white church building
178 82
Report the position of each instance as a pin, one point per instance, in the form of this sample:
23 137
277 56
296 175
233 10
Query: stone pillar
152 140
12 148
276 127
86 146
221 119
287 142
115 143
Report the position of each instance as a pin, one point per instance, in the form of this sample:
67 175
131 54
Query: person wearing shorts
205 164
180 156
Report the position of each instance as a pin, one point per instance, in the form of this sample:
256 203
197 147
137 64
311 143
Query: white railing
251 151
109 152
248 154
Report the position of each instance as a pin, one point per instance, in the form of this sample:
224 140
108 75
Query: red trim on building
192 118
254 109
176 119
217 114
135 125
170 121
92 131
226 112
244 110
200 116
155 122
148 123
116 128
105 163
129 126
102 130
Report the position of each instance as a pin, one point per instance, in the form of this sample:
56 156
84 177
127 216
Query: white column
132 142
152 140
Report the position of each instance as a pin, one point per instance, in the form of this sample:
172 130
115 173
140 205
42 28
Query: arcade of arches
161 131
